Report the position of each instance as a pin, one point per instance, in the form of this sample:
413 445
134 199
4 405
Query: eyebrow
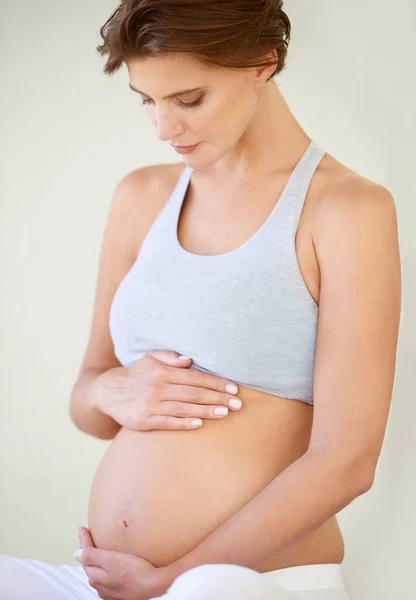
179 93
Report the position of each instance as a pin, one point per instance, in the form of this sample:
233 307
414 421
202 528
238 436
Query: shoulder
349 205
140 195
150 179
138 198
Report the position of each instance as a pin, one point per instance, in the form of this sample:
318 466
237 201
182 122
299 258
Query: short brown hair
235 34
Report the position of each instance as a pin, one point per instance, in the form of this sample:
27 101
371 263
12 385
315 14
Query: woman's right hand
158 391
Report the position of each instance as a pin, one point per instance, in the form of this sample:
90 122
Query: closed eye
181 104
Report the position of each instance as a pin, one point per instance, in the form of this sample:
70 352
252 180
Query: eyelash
185 105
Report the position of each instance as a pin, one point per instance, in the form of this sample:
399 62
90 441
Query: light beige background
68 135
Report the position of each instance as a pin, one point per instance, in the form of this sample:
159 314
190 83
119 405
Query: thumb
170 357
85 538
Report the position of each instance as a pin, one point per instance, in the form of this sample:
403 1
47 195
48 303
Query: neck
273 142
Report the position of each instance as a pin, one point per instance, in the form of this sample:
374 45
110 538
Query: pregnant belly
158 494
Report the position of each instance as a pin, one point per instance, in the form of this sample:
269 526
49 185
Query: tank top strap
178 194
180 188
169 212
303 174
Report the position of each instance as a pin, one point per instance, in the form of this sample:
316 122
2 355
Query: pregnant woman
243 342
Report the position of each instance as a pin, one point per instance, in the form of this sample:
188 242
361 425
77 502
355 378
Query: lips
183 147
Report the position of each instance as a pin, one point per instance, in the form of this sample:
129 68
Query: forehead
162 75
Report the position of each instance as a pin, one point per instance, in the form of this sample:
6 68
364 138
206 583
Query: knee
225 582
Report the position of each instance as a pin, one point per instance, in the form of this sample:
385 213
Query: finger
187 394
171 423
96 577
187 409
92 557
85 538
198 378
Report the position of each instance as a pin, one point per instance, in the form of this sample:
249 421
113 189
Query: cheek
233 119
221 120
218 120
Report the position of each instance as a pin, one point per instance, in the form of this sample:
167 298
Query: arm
298 501
127 223
84 410
359 315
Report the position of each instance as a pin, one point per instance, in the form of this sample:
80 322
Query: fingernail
231 388
184 357
234 403
78 553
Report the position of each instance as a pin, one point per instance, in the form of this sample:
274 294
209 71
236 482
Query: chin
200 163
197 163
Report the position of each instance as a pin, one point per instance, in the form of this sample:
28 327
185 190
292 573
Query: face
214 116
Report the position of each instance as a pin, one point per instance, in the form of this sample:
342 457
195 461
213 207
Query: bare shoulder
348 200
155 175
141 194
150 182
343 184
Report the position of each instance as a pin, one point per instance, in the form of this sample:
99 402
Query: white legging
29 579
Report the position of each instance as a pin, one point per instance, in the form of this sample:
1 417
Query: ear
263 73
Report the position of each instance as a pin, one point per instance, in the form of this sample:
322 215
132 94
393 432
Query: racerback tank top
245 315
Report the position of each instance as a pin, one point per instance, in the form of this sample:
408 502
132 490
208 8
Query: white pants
29 579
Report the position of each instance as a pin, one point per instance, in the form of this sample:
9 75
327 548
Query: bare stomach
158 494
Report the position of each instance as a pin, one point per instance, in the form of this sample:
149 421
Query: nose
167 126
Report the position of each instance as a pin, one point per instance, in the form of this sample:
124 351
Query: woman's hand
115 575
158 391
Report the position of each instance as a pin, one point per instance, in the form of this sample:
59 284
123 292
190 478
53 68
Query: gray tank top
245 315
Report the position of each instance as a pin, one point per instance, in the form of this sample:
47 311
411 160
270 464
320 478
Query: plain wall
68 135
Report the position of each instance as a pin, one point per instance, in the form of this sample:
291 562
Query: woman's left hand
115 575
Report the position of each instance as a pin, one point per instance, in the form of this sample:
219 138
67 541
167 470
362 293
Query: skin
250 142
244 125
